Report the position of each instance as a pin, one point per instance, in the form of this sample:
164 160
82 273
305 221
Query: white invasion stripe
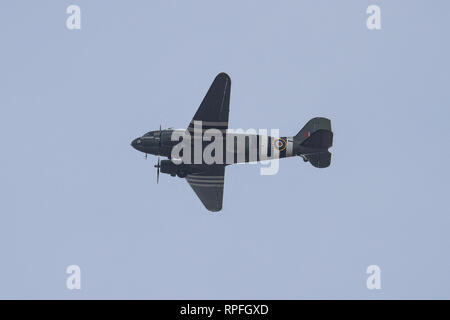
205 185
205 177
211 123
290 146
207 182
203 182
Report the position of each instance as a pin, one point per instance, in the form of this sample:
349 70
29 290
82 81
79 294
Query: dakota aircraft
208 134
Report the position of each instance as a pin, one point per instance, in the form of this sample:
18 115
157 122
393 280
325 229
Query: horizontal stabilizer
319 159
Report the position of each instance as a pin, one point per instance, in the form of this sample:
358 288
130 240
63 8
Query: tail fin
313 140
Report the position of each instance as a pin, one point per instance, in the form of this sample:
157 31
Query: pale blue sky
73 191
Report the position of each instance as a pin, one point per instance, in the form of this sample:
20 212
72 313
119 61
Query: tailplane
313 140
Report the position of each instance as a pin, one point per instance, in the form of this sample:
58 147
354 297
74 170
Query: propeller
157 166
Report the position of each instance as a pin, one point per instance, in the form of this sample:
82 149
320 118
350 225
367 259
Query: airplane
206 178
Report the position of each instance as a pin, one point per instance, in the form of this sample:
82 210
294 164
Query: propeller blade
157 170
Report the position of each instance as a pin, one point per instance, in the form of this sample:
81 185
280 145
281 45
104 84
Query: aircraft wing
208 186
215 107
213 113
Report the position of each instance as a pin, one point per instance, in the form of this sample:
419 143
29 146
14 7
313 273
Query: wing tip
223 75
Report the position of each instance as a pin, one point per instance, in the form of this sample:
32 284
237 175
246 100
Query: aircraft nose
135 143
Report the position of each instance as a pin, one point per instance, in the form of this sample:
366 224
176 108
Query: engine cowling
167 166
181 170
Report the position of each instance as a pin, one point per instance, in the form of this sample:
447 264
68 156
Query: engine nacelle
167 166
181 170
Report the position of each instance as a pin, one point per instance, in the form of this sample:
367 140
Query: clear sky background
73 191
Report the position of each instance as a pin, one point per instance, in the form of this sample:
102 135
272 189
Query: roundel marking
279 144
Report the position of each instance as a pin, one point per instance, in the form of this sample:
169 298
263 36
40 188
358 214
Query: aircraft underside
201 152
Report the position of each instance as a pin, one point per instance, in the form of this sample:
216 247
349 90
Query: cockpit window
149 134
